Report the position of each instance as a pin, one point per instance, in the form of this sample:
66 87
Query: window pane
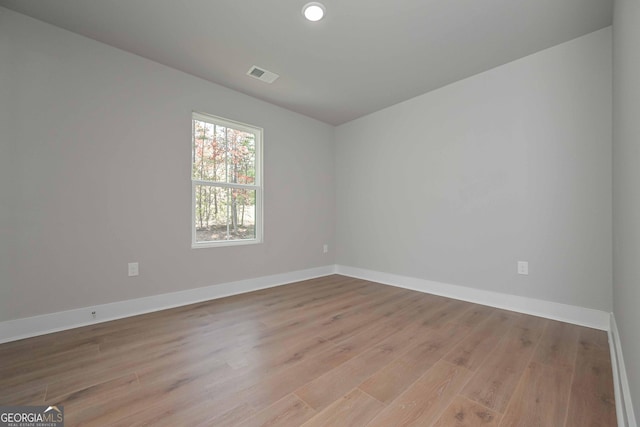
198 143
224 213
223 154
242 215
221 144
210 213
242 156
209 148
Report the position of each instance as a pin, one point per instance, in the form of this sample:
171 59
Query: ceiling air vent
262 74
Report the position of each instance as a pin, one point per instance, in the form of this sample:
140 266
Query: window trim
258 185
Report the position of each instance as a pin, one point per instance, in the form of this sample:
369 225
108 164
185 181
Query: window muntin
226 160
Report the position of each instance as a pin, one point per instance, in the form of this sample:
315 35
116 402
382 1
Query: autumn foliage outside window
225 181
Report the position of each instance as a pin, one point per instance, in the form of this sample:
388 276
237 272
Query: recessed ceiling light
313 11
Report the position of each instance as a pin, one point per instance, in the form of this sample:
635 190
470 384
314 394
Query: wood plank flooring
333 351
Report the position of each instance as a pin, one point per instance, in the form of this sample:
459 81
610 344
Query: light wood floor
333 351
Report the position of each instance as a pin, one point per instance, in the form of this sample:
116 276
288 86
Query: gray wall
455 185
7 171
626 186
98 143
459 184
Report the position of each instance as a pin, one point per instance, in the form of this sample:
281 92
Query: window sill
222 243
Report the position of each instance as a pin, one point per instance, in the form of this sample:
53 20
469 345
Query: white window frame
257 186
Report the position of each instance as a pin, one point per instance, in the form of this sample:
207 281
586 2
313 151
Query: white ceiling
363 56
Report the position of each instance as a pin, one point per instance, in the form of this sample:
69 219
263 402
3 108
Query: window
226 184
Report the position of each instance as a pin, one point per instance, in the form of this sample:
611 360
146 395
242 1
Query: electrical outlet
325 248
523 268
133 269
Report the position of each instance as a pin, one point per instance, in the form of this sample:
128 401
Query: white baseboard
17 329
624 405
591 318
12 330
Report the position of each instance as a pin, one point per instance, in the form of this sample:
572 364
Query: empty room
333 213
